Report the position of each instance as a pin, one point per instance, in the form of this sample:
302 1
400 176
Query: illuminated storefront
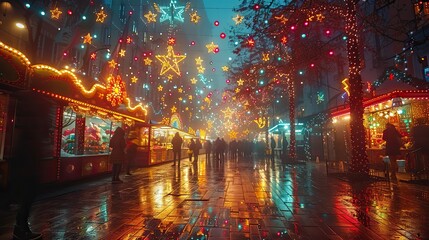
401 108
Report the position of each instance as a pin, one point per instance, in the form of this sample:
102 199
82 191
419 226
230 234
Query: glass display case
85 134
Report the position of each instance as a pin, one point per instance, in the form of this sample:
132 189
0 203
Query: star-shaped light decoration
201 69
122 53
173 109
265 57
194 80
211 47
238 19
225 68
199 61
87 39
180 98
250 42
55 13
281 19
240 82
227 113
237 90
320 17
147 61
160 88
150 16
172 13
171 41
190 97
134 79
170 61
283 40
232 134
116 90
170 77
112 63
180 90
93 56
194 17
101 16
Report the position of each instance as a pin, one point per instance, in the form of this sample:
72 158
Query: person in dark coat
393 147
273 146
177 142
31 137
208 148
117 156
196 149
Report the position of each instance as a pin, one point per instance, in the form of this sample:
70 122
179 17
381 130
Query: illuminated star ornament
198 61
265 57
173 109
160 88
101 16
122 53
170 61
134 79
147 61
116 90
211 47
55 13
150 16
172 12
194 81
87 39
238 19
194 17
227 113
112 63
240 82
225 68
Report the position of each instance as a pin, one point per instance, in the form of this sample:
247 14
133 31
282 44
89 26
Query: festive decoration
320 97
171 41
55 13
225 68
238 19
201 69
150 16
172 12
240 82
211 47
112 63
101 16
87 39
282 19
160 88
122 53
265 57
261 122
194 17
147 61
199 61
194 81
134 79
170 61
346 85
116 90
227 113
173 109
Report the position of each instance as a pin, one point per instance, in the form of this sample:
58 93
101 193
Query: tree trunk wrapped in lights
359 160
292 140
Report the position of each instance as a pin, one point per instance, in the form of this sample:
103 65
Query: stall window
96 134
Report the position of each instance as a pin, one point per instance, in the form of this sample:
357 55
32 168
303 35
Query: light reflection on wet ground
235 199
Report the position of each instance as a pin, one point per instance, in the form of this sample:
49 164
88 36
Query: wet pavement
235 199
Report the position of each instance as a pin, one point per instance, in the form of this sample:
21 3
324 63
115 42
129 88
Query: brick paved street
237 199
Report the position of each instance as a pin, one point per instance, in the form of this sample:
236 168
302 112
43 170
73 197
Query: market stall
401 108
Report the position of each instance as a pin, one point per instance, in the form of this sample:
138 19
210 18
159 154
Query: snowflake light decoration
116 90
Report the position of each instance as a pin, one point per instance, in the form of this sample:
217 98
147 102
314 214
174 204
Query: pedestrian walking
196 149
393 146
273 147
117 155
177 142
208 148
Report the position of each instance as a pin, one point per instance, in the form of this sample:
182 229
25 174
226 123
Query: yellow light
20 25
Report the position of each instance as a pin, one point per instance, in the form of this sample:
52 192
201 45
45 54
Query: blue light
107 55
301 72
303 35
261 82
27 5
42 13
83 17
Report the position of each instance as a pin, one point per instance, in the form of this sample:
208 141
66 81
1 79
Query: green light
303 35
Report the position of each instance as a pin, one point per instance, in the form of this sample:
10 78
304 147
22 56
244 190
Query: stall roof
414 94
